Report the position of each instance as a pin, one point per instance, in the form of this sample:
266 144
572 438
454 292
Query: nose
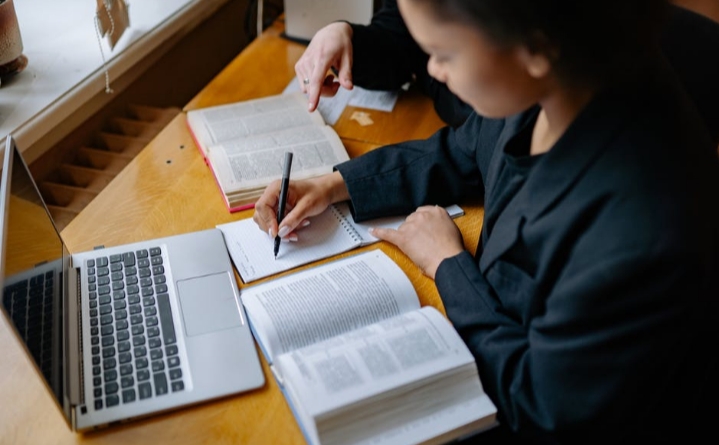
435 70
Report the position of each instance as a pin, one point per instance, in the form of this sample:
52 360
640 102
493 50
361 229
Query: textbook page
255 161
221 123
401 380
319 303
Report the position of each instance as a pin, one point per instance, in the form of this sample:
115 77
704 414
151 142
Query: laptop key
128 396
111 388
128 259
178 386
173 362
108 352
112 400
109 363
160 383
145 390
168 326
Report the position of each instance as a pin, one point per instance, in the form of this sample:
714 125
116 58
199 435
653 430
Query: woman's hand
427 237
305 198
331 47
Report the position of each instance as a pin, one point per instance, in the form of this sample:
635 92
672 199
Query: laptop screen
32 269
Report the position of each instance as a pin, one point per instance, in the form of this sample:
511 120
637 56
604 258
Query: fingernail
293 238
305 223
284 230
310 106
269 232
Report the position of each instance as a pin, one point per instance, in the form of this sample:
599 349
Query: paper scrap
373 99
362 118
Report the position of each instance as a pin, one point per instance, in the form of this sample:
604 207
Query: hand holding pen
283 196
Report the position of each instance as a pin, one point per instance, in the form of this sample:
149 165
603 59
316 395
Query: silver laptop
121 332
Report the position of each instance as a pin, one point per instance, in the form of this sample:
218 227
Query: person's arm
592 352
385 54
447 168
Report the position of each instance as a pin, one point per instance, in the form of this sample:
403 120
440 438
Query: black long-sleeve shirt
592 305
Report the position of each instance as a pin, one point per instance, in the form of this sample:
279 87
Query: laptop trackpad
208 304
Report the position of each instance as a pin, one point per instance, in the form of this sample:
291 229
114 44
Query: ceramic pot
10 40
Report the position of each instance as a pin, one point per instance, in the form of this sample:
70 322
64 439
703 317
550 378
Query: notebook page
252 253
390 222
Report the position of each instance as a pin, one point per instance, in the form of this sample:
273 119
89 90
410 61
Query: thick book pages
244 144
332 232
360 362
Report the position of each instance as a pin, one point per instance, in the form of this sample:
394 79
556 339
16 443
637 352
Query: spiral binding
349 228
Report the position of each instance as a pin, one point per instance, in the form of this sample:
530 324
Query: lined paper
329 233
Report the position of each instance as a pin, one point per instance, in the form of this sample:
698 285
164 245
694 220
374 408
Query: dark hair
588 41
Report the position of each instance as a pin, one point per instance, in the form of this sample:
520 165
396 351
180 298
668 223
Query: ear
536 63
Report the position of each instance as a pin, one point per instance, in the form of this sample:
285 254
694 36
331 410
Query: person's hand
427 237
331 47
305 198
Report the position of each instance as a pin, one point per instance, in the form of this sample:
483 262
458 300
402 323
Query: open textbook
332 232
359 361
244 143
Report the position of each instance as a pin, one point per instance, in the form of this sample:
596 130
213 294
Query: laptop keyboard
30 305
133 344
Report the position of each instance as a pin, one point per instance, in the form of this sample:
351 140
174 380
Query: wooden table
167 189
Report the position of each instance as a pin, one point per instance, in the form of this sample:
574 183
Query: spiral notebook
332 232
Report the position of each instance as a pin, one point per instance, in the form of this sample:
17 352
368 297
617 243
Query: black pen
283 197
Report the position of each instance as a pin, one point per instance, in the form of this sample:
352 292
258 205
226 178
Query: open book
244 144
359 361
332 232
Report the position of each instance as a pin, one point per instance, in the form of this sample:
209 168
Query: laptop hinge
74 339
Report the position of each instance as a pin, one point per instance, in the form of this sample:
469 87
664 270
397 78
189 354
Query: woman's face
495 81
